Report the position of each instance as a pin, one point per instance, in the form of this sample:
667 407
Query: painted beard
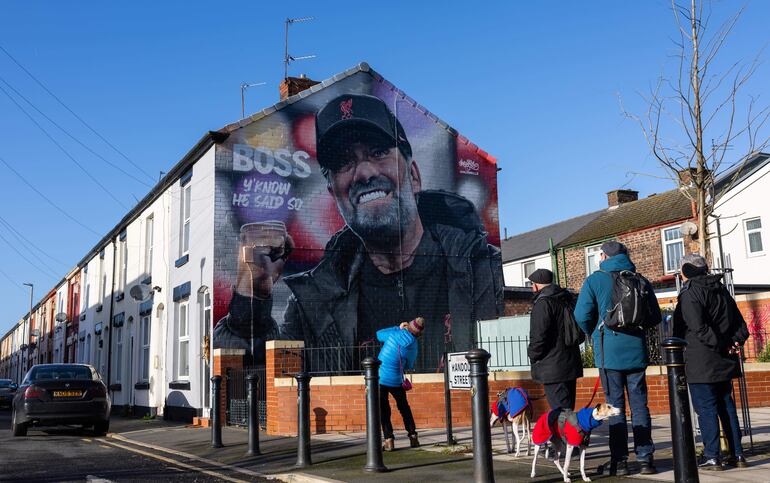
373 212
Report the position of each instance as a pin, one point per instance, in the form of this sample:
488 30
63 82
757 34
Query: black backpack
630 305
573 336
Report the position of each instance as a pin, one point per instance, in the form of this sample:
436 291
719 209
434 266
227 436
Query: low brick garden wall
338 403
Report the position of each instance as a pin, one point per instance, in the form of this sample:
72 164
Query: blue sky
536 85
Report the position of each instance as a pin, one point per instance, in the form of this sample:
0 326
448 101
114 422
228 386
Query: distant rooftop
535 242
658 209
741 171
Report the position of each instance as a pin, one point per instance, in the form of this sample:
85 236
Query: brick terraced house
650 228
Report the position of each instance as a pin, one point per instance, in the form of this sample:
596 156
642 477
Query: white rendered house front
743 211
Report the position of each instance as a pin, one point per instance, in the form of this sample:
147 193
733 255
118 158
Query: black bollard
253 384
303 420
450 440
373 431
482 436
216 417
685 464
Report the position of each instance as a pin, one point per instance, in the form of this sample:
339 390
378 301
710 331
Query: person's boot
710 464
413 441
389 444
735 462
619 468
648 468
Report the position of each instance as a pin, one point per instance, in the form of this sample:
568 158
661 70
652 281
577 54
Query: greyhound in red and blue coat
567 430
513 406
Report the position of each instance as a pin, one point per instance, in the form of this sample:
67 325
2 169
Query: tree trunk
701 176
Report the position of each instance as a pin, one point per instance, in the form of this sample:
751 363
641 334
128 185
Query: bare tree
699 104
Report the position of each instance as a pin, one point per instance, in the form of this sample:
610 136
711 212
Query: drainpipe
109 321
554 259
564 263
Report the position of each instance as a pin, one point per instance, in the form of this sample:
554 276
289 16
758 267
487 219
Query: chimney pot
618 197
292 86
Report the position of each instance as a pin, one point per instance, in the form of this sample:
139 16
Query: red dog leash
593 395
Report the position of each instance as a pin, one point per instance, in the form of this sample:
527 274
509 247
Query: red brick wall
282 358
342 406
225 359
517 307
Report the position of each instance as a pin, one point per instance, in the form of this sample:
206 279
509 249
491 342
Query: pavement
341 456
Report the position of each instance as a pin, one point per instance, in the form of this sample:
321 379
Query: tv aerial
287 59
140 293
245 86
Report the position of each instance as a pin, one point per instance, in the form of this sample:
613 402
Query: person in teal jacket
398 353
623 361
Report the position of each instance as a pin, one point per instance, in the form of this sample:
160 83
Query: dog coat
573 428
513 402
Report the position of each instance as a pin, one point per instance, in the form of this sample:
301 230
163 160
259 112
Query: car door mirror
14 386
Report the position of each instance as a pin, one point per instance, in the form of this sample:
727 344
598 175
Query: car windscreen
48 373
5 383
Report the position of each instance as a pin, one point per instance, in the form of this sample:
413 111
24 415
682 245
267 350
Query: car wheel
19 429
101 428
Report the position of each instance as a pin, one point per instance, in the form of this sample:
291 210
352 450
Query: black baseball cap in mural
346 118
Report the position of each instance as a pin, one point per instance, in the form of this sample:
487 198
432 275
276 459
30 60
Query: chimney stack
291 86
618 197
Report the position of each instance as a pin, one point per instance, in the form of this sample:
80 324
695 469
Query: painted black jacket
707 317
323 307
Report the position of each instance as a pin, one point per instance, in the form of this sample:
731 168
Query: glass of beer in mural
264 238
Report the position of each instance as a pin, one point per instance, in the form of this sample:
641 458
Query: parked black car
53 394
7 391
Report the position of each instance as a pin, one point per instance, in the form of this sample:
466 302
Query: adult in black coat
554 365
707 317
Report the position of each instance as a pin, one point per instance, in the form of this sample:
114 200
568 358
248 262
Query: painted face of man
374 187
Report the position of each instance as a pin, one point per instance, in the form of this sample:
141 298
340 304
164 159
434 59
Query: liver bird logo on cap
346 108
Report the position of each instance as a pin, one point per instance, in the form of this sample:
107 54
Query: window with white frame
145 359
753 229
527 268
87 296
593 258
118 353
673 248
123 264
102 280
81 346
184 220
148 241
98 354
183 340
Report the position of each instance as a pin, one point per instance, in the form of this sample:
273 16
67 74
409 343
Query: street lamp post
24 344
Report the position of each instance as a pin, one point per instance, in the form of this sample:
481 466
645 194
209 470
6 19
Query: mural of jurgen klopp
403 252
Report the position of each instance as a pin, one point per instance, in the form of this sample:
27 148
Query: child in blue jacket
399 350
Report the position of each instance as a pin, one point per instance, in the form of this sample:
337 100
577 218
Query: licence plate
67 394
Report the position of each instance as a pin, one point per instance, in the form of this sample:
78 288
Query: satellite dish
140 292
61 317
689 228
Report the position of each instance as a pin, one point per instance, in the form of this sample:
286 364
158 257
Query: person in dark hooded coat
554 364
707 317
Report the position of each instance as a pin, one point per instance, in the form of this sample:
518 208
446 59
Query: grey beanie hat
612 248
693 265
